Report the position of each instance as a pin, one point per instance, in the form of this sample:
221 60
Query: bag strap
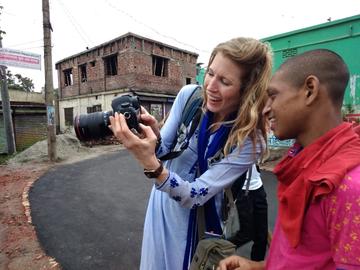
192 104
192 113
200 213
248 180
200 220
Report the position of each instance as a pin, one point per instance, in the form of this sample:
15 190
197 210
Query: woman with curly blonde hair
234 96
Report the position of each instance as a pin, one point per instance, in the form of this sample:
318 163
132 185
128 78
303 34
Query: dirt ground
19 247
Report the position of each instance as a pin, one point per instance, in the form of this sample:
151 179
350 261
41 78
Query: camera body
129 106
94 126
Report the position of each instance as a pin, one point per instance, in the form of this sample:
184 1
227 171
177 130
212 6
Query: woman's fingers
151 121
148 133
148 119
142 148
143 110
119 128
127 137
130 139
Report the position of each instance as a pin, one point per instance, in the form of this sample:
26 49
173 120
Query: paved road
89 215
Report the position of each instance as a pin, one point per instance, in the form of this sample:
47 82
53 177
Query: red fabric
315 171
357 129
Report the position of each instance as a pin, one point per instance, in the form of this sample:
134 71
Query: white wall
80 104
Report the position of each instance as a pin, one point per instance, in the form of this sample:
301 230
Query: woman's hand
147 119
142 148
239 263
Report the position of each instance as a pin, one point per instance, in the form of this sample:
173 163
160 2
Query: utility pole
49 88
6 109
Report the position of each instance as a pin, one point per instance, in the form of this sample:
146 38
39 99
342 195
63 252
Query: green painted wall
341 36
200 74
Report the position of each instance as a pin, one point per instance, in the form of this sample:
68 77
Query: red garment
315 171
357 129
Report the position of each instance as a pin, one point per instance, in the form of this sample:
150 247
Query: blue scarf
205 152
212 219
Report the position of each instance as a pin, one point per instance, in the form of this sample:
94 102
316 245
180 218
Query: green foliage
19 82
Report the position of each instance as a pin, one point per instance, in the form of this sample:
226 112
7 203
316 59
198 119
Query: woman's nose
211 84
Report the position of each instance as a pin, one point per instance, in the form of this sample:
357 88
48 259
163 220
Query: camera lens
92 126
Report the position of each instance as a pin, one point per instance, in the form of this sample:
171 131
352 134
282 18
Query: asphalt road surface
89 215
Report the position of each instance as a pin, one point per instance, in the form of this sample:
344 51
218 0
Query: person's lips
213 100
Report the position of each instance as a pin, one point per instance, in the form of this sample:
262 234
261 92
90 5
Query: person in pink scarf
318 225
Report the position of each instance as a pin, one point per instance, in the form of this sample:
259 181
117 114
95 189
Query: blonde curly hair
255 57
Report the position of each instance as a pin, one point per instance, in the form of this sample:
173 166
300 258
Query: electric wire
153 29
25 43
76 25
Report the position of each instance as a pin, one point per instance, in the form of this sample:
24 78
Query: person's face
222 85
284 108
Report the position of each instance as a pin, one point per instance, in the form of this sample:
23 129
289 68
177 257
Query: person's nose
212 84
267 107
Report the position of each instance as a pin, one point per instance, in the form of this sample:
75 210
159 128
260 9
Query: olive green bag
209 252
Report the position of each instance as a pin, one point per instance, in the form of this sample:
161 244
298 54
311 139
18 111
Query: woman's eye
210 73
272 96
225 82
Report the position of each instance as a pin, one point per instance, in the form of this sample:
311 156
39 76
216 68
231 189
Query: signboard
14 58
50 113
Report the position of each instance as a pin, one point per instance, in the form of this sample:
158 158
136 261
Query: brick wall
134 57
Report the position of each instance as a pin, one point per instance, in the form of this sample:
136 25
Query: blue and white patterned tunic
167 216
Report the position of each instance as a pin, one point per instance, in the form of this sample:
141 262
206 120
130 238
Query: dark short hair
326 65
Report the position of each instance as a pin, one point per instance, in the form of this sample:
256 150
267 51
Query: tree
25 82
19 82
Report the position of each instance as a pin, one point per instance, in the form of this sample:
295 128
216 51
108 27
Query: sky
194 25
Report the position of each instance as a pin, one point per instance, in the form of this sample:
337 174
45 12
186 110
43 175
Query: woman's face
222 85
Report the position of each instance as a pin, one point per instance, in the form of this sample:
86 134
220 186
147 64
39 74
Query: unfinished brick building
154 71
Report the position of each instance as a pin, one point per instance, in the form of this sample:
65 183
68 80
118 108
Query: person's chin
280 136
210 107
277 134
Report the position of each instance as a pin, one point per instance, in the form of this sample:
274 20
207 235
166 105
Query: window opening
69 115
111 65
156 110
160 66
94 108
68 77
83 74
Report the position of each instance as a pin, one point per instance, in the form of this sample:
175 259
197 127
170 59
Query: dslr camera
94 126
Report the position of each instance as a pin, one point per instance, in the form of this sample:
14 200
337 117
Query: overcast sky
194 25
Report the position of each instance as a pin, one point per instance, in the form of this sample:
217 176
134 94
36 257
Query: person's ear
311 89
